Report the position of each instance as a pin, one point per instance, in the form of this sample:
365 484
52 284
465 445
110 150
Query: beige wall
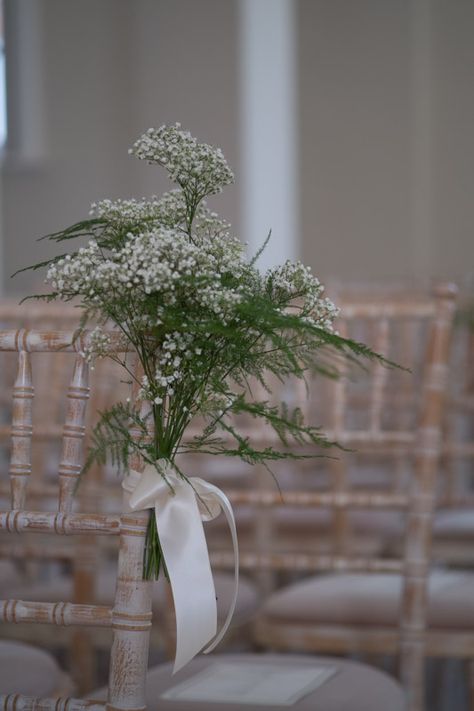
110 69
453 40
387 116
386 109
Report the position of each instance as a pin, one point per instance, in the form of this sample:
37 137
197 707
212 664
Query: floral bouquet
202 319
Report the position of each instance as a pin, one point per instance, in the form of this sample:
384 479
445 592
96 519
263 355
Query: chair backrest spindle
22 426
423 500
73 433
130 617
380 375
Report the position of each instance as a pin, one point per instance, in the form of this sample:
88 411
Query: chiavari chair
376 604
31 671
54 567
129 617
453 530
453 526
86 571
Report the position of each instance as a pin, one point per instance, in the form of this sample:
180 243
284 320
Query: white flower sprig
192 165
202 318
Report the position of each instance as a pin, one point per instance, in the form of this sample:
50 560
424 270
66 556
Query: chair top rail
332 499
19 702
306 562
386 309
47 341
410 304
63 614
15 521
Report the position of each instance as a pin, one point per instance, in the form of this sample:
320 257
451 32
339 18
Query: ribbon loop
180 508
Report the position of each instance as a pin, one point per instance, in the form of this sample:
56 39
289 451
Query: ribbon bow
180 507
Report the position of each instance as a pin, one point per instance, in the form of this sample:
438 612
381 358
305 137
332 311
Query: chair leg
412 672
83 661
470 684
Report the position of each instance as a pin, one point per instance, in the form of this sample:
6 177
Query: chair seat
371 600
61 589
9 576
454 525
355 686
27 670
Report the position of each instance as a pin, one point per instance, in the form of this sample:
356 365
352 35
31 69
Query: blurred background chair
390 423
31 671
453 531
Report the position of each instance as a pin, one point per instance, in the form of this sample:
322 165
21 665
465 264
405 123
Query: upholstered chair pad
371 600
9 576
355 687
28 670
454 524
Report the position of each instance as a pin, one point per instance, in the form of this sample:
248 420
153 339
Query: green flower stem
153 559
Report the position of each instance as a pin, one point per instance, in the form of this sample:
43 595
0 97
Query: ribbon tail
229 514
184 546
187 560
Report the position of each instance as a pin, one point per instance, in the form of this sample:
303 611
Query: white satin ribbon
180 507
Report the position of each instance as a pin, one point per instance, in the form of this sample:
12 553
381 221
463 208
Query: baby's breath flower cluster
163 262
294 280
169 211
98 345
203 320
193 166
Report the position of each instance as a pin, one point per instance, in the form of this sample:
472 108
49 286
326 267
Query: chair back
394 418
130 616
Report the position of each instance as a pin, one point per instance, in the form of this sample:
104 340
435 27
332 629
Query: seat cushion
24 669
9 576
61 589
454 525
371 600
354 687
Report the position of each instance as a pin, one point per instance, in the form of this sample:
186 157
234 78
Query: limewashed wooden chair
453 528
129 618
376 604
39 563
80 570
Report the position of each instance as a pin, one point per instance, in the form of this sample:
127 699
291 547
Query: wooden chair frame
412 640
130 617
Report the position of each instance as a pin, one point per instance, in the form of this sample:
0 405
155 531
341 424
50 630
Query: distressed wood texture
58 523
305 562
18 702
130 617
52 341
22 429
82 652
335 499
73 435
400 423
55 613
423 502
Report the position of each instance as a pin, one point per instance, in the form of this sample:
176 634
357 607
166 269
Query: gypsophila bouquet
203 320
